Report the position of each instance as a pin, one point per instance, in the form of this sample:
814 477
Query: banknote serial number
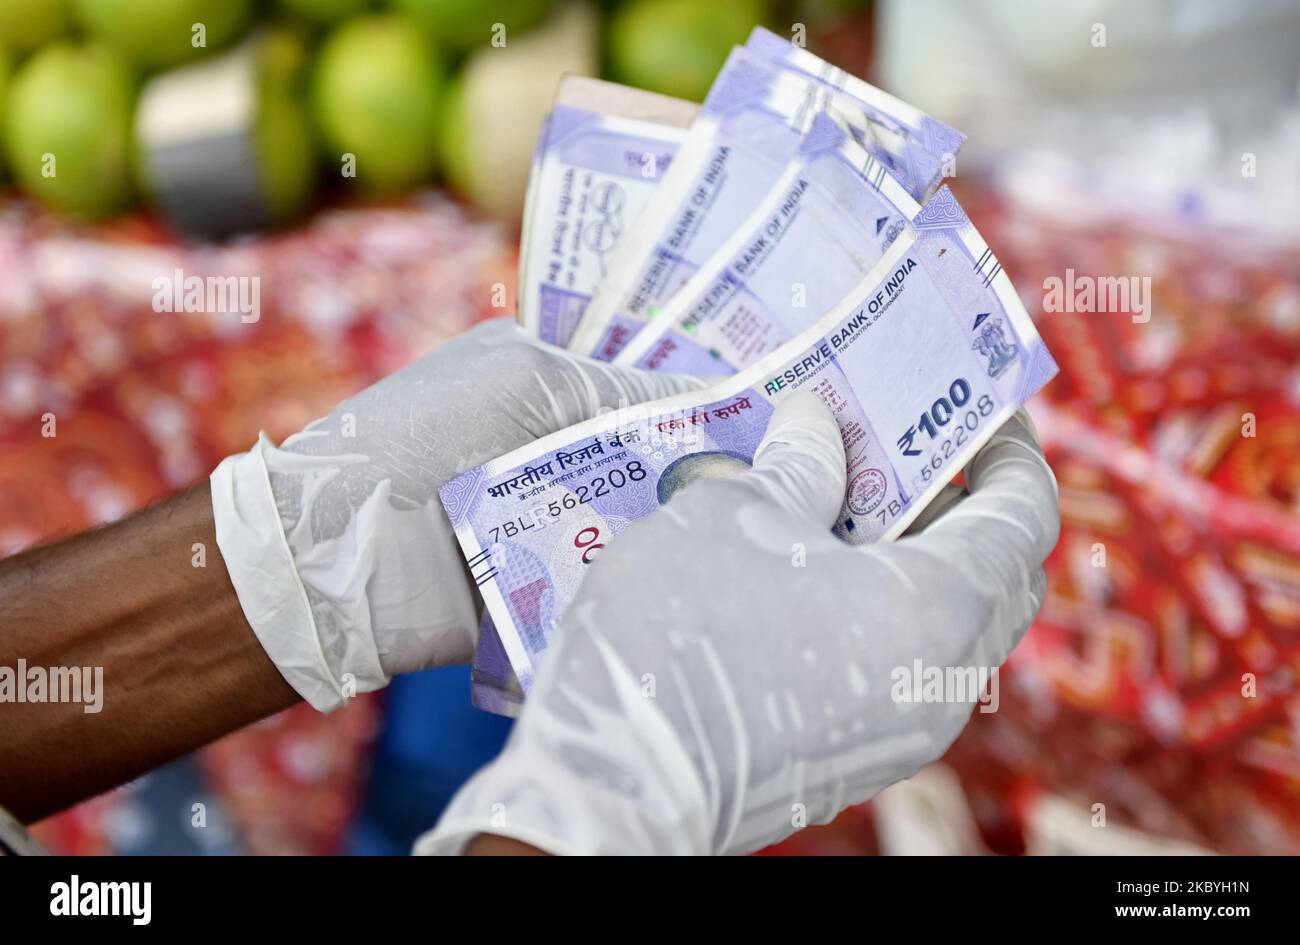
580 495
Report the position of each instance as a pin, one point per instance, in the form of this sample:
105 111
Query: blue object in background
169 812
433 740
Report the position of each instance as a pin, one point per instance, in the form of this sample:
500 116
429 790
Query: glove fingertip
801 457
803 419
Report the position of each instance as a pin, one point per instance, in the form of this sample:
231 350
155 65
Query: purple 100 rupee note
921 363
731 157
917 148
830 218
752 123
600 154
599 157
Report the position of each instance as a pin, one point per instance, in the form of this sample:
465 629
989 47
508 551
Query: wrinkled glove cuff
261 568
586 779
531 796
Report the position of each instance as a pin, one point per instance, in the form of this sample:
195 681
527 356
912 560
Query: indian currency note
928 355
664 249
831 216
492 683
752 122
918 149
601 152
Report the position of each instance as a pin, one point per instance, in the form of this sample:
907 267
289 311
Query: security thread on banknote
920 364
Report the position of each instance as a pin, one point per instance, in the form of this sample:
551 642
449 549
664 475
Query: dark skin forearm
489 844
181 667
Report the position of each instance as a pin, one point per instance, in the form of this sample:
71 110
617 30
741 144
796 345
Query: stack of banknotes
790 233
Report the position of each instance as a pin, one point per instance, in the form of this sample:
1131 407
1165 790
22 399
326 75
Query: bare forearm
488 844
180 666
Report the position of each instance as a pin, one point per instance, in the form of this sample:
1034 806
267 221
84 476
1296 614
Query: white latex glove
336 542
704 694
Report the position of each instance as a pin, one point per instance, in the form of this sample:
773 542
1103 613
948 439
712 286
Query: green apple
26 24
677 46
163 32
457 163
6 66
495 107
68 129
464 24
323 11
283 138
374 94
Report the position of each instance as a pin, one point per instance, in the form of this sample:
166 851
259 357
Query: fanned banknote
752 123
601 152
921 362
918 149
492 683
695 206
826 222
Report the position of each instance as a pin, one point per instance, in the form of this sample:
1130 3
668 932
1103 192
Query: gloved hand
338 547
727 671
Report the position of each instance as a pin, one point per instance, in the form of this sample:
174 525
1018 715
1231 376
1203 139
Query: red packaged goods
1162 678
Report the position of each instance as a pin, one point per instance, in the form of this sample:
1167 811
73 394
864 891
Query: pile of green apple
382 94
